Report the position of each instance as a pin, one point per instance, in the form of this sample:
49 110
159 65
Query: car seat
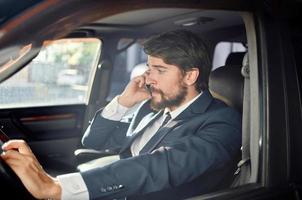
226 82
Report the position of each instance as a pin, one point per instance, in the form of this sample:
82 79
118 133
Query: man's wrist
55 190
73 186
122 100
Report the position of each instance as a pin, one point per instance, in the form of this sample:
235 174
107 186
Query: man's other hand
20 158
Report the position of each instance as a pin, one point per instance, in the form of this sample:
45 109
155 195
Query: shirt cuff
114 110
73 187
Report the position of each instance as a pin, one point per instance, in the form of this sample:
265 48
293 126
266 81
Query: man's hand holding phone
135 92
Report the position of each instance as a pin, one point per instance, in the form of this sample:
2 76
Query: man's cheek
158 97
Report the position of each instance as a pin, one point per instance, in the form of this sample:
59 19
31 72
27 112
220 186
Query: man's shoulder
221 110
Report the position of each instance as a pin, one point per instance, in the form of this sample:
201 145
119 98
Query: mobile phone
148 88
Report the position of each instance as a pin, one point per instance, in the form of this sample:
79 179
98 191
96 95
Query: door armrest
85 155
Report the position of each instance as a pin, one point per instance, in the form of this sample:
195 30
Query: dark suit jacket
191 155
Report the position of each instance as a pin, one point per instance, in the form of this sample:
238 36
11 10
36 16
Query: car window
59 75
223 49
130 62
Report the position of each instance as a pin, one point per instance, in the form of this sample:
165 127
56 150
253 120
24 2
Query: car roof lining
214 25
150 20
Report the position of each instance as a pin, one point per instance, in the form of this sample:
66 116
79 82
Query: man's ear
191 76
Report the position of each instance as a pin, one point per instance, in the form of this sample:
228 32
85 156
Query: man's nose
149 78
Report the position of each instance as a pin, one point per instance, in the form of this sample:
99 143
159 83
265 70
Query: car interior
53 128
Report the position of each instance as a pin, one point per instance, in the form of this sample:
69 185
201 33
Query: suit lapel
146 121
159 136
143 110
143 124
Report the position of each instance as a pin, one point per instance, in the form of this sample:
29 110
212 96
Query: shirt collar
179 110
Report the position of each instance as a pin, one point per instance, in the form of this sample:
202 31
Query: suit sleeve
104 134
212 145
109 126
108 129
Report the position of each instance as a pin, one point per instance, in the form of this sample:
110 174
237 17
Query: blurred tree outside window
59 75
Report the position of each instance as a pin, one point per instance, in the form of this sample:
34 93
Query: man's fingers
11 155
19 145
134 93
140 80
15 159
13 144
14 164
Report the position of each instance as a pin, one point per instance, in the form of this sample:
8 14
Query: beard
167 102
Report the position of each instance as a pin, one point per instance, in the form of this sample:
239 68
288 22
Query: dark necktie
167 118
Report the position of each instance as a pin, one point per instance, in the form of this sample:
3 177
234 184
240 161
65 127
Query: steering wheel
10 184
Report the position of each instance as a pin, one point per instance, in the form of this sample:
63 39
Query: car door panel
52 132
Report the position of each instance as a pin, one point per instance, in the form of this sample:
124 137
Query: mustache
151 89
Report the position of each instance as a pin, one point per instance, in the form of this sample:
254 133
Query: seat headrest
226 83
235 58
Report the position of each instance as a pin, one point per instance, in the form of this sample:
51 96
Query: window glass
223 49
59 75
129 63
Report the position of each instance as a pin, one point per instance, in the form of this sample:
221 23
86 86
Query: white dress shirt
73 185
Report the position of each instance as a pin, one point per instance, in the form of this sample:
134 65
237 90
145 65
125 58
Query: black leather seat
226 82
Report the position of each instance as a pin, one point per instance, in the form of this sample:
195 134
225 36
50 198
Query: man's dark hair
183 49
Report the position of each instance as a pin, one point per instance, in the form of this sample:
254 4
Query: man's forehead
157 62
155 59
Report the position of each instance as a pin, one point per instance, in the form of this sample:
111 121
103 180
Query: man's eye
160 71
147 71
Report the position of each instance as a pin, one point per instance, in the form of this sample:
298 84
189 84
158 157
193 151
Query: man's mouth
154 90
156 94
